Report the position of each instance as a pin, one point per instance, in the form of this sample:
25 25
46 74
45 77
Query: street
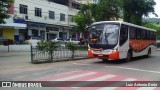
17 67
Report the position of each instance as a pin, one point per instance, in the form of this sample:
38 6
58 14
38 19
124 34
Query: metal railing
61 54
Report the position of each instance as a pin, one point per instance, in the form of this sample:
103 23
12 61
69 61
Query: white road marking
19 77
81 64
146 88
49 75
75 76
95 79
135 69
67 72
113 88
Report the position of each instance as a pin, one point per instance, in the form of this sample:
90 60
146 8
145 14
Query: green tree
81 23
155 27
4 6
83 18
106 10
133 10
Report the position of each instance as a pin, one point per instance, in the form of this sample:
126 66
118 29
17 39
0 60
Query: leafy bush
48 46
71 46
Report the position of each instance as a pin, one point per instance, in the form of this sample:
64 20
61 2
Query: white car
72 40
33 41
60 41
57 40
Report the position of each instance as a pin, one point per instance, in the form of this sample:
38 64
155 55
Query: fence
60 54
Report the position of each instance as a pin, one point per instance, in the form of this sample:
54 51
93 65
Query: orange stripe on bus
90 54
114 55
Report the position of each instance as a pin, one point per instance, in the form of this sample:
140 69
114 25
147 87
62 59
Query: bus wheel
129 56
149 53
104 60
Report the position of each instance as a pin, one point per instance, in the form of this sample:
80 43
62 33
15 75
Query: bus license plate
100 55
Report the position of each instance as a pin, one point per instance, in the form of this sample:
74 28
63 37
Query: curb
63 60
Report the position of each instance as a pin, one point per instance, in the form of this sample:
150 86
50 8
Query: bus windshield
104 36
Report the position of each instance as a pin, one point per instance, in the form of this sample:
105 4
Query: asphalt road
18 68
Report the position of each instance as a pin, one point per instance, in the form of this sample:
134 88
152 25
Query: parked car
60 41
57 40
72 40
33 41
2 39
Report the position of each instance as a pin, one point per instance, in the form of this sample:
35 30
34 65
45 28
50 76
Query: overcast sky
157 8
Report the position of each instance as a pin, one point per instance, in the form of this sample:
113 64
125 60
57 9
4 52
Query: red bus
116 40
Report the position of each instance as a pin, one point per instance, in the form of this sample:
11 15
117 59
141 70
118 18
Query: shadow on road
122 61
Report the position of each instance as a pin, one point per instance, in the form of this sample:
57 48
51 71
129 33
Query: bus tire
129 56
149 53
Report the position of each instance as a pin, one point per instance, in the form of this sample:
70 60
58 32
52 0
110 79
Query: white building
87 1
47 19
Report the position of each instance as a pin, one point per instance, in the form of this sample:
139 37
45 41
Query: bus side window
132 33
147 35
123 34
151 35
138 33
154 38
143 33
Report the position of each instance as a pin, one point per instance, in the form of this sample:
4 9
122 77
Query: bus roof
121 22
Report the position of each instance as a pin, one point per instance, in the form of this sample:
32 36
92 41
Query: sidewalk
3 54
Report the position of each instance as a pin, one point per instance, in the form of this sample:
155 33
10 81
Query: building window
132 33
23 9
75 6
51 15
62 17
38 12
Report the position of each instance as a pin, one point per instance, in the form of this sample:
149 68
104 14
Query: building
46 19
8 29
84 1
87 1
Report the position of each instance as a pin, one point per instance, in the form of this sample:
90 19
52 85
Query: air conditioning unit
17 16
45 17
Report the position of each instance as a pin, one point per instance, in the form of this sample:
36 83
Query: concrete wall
12 48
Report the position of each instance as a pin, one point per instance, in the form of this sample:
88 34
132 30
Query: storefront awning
14 25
